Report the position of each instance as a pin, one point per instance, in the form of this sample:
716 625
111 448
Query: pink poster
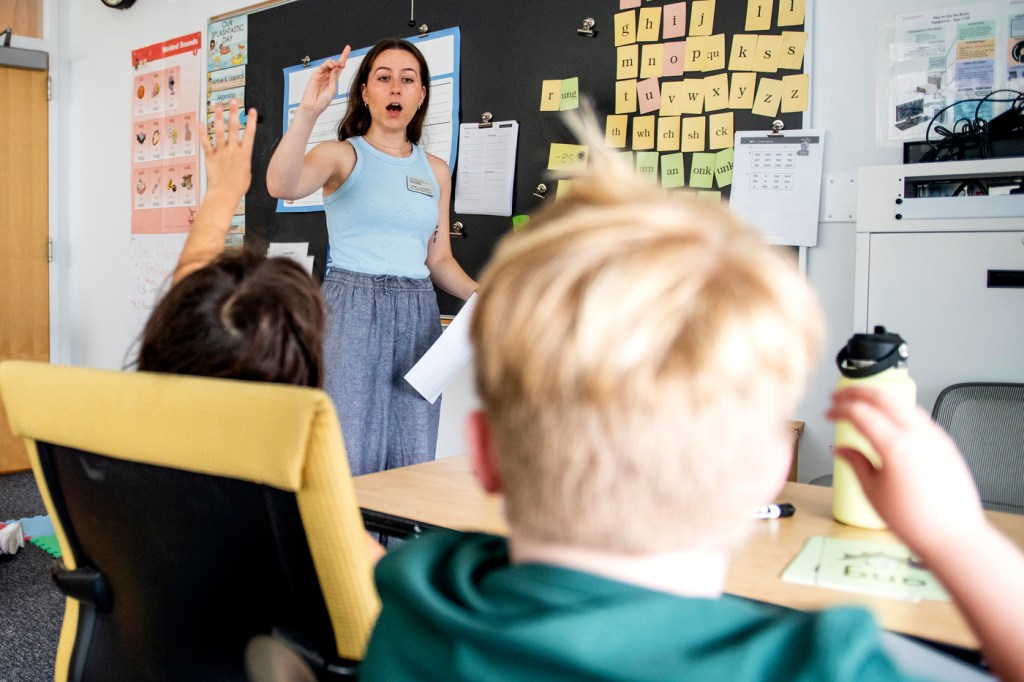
165 102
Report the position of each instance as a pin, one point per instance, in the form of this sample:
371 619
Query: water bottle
878 360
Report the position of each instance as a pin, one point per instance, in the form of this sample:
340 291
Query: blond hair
635 354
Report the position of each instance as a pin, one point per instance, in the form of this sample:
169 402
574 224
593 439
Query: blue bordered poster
440 131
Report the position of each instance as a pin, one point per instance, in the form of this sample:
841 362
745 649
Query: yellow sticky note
568 157
648 95
744 49
643 132
702 17
759 15
651 60
716 92
769 48
625 27
672 173
791 12
648 28
562 188
668 133
625 96
550 95
793 45
714 57
693 134
710 195
673 61
672 97
720 128
647 165
615 131
794 93
673 23
570 94
696 53
766 101
723 167
702 170
741 90
628 57
693 96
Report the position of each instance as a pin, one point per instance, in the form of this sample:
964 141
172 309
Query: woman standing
386 202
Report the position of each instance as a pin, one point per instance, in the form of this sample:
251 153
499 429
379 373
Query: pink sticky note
628 4
648 95
673 21
673 58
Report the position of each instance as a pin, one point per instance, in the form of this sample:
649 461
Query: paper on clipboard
487 168
446 358
776 183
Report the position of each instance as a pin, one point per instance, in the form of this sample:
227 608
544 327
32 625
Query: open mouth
394 106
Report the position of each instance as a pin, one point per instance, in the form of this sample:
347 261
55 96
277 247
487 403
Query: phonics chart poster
165 135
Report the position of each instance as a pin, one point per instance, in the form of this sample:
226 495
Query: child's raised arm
228 174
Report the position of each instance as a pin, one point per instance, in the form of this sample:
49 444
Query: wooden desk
444 493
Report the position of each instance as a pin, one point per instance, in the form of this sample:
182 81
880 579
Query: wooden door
24 232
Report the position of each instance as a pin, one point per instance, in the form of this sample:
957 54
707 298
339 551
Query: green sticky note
570 94
712 195
518 221
723 167
627 157
672 172
647 165
702 170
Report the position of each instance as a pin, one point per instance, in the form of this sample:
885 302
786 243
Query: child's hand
229 157
923 489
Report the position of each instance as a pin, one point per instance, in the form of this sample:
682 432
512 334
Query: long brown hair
357 118
243 316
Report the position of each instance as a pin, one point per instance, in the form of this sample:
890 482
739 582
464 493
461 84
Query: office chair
986 421
193 515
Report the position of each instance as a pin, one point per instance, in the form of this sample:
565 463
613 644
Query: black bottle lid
866 355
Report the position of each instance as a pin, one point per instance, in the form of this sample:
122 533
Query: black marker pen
775 511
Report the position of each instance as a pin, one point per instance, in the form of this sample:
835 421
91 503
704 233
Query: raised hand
229 156
323 85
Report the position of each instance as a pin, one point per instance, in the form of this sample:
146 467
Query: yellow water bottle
878 360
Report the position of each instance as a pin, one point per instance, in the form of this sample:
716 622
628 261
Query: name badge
419 185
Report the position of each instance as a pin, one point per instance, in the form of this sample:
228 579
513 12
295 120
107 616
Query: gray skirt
378 327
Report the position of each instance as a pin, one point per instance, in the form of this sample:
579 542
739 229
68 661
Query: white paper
446 358
12 538
776 184
486 169
293 250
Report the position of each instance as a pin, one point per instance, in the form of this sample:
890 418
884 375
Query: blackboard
508 48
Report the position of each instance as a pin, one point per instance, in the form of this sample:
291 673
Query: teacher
386 201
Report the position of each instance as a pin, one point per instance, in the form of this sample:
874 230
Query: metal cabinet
945 272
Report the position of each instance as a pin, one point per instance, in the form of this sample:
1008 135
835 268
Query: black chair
986 421
194 515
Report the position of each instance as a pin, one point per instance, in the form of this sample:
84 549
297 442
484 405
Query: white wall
92 83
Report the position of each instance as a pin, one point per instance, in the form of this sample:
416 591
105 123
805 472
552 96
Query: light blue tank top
380 219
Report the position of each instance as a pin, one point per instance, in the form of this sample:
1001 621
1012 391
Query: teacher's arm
445 271
293 174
